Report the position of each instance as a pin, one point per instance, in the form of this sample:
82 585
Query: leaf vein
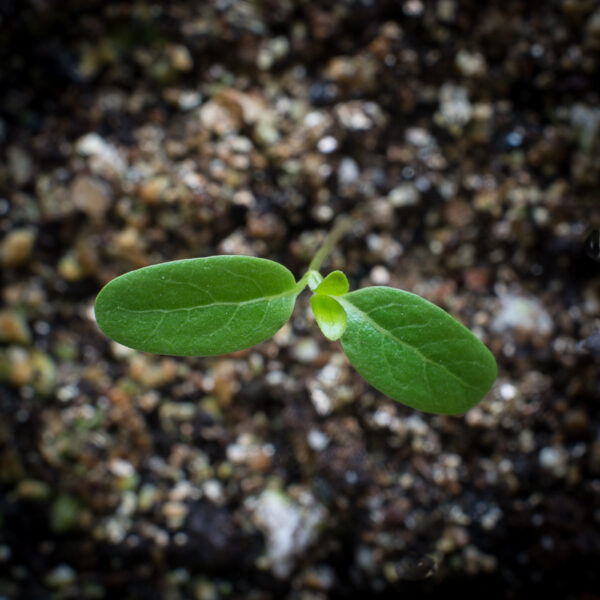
365 316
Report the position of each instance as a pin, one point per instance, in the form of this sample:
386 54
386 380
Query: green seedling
404 346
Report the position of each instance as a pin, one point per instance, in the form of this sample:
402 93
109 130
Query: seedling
404 346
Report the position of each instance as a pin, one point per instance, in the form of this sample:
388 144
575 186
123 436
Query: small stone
470 64
64 514
577 422
380 275
317 440
274 50
175 514
60 577
69 268
419 137
33 490
152 191
524 313
20 165
126 477
305 350
14 328
348 171
146 497
151 373
359 116
206 590
43 373
189 99
358 73
16 247
180 57
265 133
554 460
104 158
91 196
508 391
446 10
290 527
455 108
219 119
406 194
327 145
477 278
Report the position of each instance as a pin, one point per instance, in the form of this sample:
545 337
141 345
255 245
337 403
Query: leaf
330 316
414 352
335 284
199 306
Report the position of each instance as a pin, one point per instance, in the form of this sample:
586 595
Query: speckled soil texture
465 139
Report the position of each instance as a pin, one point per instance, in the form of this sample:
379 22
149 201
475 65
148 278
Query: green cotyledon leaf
198 307
335 284
414 352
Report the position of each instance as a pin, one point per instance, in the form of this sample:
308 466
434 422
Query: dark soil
463 137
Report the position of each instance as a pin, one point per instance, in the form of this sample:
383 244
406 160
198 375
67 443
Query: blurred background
465 139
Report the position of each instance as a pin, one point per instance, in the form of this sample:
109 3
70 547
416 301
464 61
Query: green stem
302 283
342 226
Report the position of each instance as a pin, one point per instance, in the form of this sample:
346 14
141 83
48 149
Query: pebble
470 64
60 577
359 116
553 460
305 350
175 514
14 328
219 119
405 194
380 275
327 145
348 171
455 108
317 440
16 247
152 191
522 312
419 137
20 165
64 514
290 527
180 58
104 157
91 196
33 490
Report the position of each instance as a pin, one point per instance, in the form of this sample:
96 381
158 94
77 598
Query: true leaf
198 307
335 284
331 317
414 352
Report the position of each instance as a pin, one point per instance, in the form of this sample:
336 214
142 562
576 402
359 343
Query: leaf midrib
289 293
387 333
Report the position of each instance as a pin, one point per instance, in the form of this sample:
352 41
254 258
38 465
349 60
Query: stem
342 226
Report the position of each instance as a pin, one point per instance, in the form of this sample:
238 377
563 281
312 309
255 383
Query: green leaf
414 352
198 307
335 284
330 316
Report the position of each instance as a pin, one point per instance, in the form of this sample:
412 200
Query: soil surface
463 138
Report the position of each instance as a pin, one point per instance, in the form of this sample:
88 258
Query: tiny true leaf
330 316
335 284
198 307
414 352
